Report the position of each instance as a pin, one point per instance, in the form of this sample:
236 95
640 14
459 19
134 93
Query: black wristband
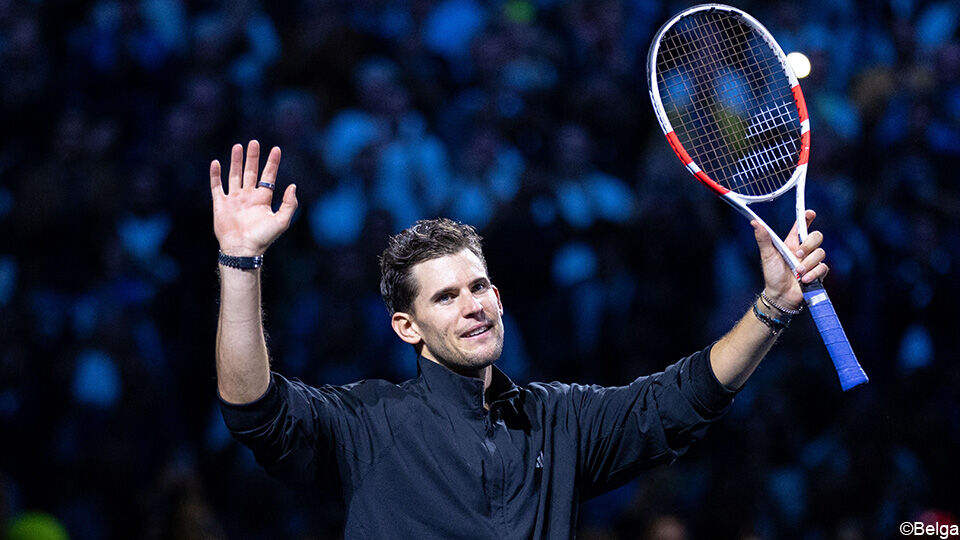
242 263
775 325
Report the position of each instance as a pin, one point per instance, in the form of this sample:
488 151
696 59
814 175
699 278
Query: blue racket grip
821 309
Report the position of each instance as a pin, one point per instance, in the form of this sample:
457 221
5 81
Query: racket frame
821 308
739 201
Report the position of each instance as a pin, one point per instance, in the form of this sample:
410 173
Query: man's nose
470 305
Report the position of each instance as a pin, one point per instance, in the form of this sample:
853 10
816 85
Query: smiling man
460 451
435 284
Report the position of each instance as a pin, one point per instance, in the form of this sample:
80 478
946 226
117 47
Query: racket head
729 103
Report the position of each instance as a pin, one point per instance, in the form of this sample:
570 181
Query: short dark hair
427 239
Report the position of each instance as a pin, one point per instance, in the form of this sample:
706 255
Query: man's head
433 278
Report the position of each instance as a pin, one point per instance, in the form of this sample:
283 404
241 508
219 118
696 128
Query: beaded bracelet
770 303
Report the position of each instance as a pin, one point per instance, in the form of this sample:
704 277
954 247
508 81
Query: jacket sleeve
624 430
294 429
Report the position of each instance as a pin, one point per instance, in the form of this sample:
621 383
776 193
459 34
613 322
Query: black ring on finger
267 185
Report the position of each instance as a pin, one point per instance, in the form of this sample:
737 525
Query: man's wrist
770 317
779 304
240 262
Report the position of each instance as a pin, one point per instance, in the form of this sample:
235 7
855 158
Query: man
460 451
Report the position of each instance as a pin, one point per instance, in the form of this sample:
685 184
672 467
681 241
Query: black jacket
424 459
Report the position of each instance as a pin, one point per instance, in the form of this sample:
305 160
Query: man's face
457 312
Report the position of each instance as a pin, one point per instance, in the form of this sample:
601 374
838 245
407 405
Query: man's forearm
243 367
738 353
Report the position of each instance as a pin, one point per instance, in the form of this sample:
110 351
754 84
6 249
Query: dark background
527 118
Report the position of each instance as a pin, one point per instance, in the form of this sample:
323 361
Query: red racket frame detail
688 161
805 135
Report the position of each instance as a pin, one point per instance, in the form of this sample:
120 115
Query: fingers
244 175
792 239
761 234
808 216
273 163
810 262
818 272
236 161
288 206
811 257
252 168
812 242
764 242
216 188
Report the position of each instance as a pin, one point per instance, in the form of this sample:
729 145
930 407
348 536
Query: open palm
243 220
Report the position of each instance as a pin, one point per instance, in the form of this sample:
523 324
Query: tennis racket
732 110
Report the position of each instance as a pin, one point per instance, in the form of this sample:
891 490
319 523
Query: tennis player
461 451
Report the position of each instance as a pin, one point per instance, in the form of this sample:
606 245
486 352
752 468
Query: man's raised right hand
243 220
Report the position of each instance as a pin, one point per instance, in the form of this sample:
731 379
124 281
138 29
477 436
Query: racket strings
706 70
692 57
729 100
750 163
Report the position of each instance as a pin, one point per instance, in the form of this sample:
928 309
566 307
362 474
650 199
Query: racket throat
789 257
801 205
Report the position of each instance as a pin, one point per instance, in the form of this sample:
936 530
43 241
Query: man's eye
444 298
479 287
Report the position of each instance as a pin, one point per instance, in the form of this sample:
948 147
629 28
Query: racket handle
821 309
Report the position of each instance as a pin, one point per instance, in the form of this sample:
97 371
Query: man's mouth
477 331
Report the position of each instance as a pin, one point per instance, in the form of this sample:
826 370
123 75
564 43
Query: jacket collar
466 392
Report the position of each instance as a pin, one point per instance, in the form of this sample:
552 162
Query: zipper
489 420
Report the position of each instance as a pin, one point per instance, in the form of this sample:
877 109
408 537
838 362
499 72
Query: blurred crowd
527 118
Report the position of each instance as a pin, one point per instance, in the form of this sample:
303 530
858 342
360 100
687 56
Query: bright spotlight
800 64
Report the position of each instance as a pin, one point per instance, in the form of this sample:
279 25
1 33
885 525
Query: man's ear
496 292
406 328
